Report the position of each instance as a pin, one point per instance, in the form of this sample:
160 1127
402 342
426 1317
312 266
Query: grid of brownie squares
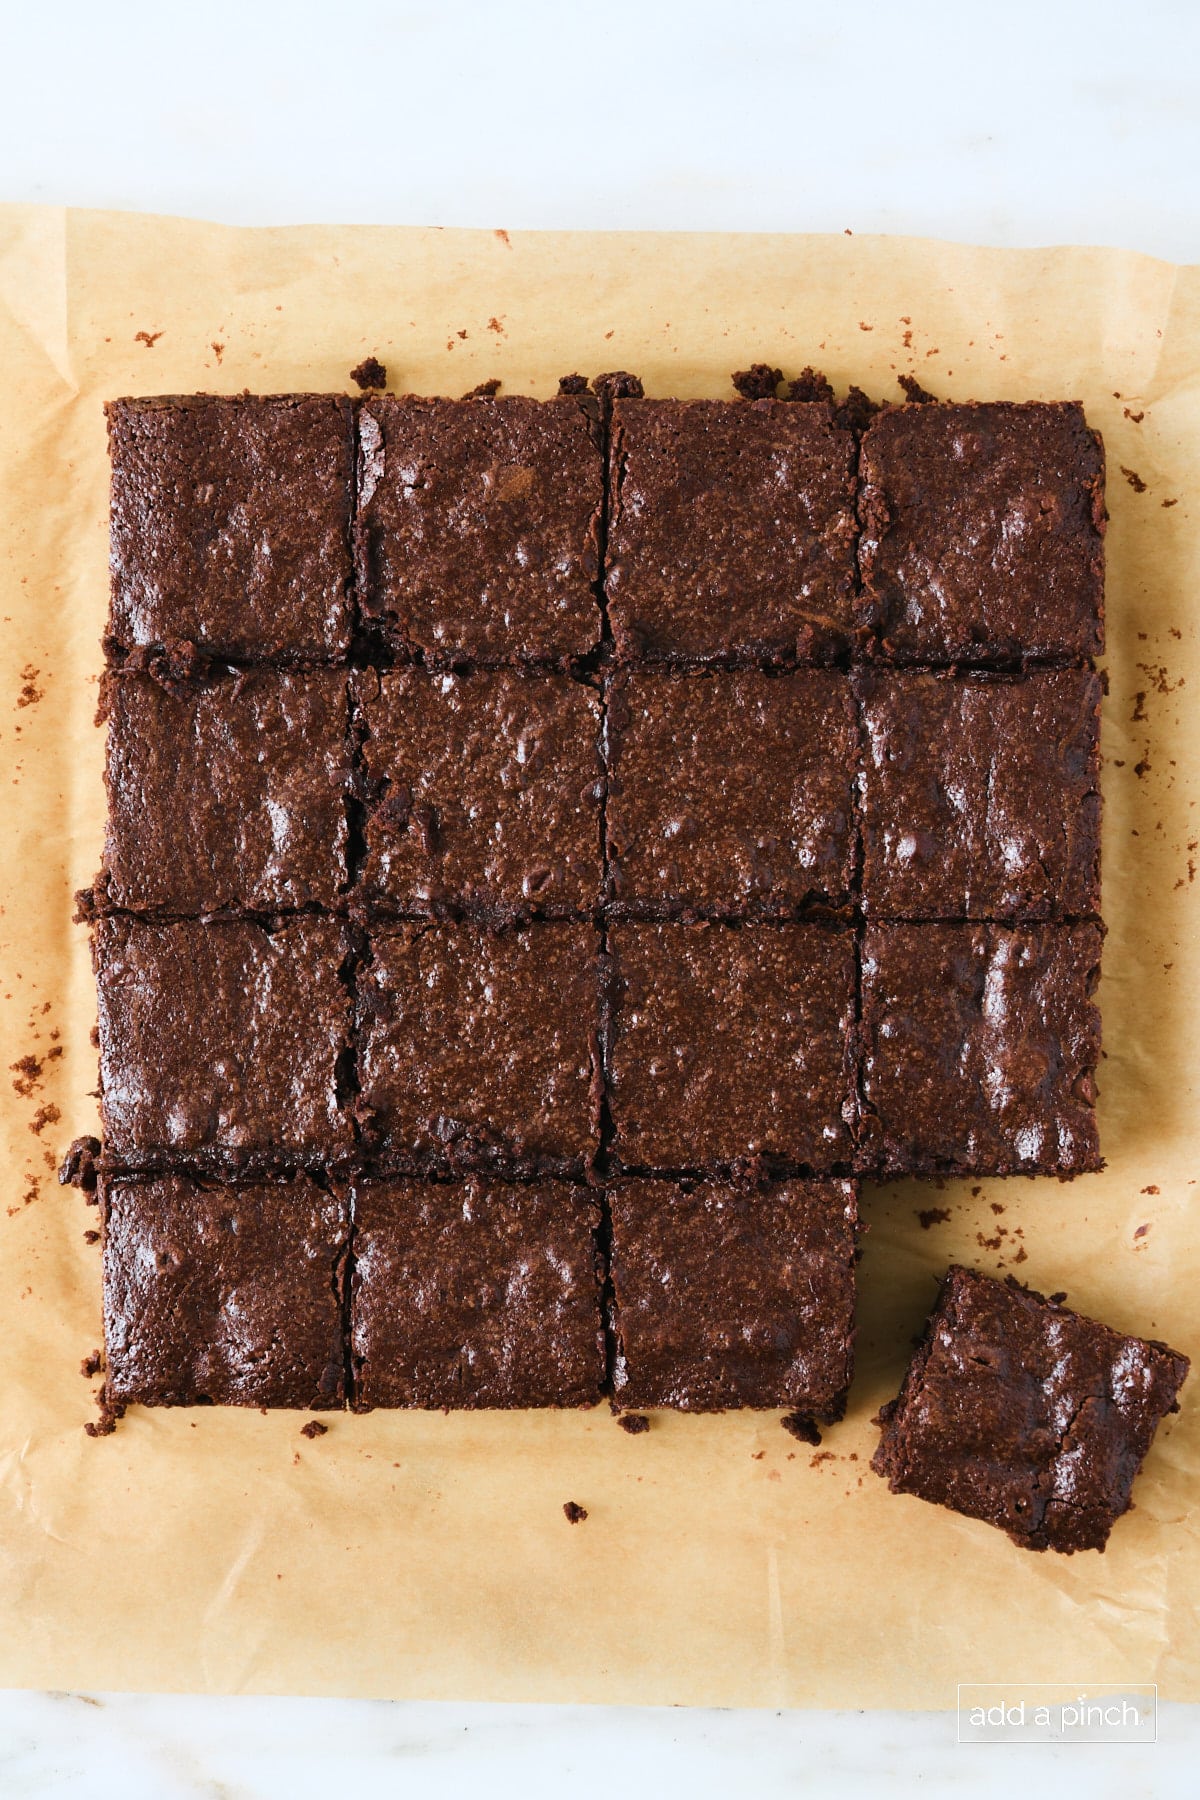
555 848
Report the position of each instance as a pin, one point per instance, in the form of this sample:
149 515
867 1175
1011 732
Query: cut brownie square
724 1296
980 1049
477 1046
230 524
731 531
731 792
479 526
222 1042
1019 1412
486 790
223 1294
981 796
227 792
476 1294
982 532
728 1042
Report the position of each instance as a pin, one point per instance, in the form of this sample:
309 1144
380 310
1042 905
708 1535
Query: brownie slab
728 1042
477 1046
227 792
478 526
731 792
476 1294
230 524
727 1297
981 796
223 1293
1019 1412
731 531
221 1042
486 790
982 533
980 1045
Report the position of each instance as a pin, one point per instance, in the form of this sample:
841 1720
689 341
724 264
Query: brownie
1019 1412
485 790
476 1294
228 792
222 1042
478 526
731 531
230 523
476 1046
223 1294
981 796
726 1296
980 1049
728 1042
982 533
731 792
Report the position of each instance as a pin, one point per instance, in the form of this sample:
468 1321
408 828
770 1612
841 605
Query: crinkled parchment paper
721 1561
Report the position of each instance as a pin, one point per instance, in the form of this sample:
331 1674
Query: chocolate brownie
479 526
222 1042
1019 1412
230 524
731 1041
980 1049
731 792
731 531
223 1293
726 1296
982 533
227 792
486 790
477 1046
476 1294
981 795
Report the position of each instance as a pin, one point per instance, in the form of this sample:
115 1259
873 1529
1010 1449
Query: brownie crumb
572 384
574 1512
933 1215
633 1423
1133 478
758 382
314 1429
28 1072
91 1237
822 1456
110 1412
45 1115
370 373
90 1365
810 384
78 1166
800 1427
486 390
1141 1231
915 393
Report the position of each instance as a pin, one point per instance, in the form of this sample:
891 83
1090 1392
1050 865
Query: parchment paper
721 1562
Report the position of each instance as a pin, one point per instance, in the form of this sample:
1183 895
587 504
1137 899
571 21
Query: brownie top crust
230 519
982 532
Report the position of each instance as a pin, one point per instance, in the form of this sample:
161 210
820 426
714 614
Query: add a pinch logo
1057 1713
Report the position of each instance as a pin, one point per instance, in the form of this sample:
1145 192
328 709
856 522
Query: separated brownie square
477 1046
983 532
223 1294
731 531
1019 1412
731 792
485 790
726 1296
981 796
223 1042
728 1042
477 1293
230 524
980 1049
226 792
478 526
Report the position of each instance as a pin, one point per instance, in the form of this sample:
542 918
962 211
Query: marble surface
1026 124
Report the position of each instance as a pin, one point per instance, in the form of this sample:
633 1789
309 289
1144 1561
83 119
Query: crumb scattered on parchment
30 692
633 1423
45 1115
369 373
575 1514
149 338
314 1429
933 1215
1150 1190
1133 478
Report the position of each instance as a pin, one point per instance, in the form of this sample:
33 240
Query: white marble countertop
1034 123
